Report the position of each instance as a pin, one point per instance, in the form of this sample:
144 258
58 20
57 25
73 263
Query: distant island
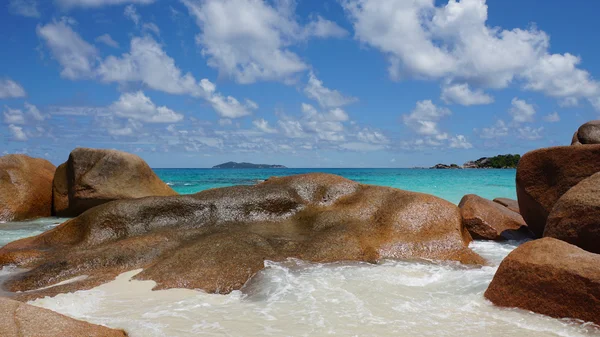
506 161
234 165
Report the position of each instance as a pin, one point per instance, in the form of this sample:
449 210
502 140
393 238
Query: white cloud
460 142
13 116
152 27
530 133
263 126
552 118
372 136
361 147
99 3
425 117
453 42
463 95
521 111
34 112
230 107
137 106
498 130
76 56
26 8
131 13
10 89
148 63
107 40
326 97
249 40
17 133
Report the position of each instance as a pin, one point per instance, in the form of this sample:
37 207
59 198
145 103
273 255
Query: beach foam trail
295 298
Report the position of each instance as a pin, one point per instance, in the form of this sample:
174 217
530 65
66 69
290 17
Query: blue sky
339 83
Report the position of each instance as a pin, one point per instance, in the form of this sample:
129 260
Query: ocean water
295 298
451 185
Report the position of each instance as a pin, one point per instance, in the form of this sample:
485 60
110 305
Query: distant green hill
234 165
498 162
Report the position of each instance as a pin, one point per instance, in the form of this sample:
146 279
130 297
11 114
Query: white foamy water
294 298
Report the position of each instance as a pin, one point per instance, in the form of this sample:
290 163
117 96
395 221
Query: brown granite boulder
544 175
25 187
511 204
217 239
588 133
487 220
92 177
550 277
23 320
575 217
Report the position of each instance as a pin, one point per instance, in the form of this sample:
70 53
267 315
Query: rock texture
25 187
588 133
217 239
544 175
575 217
550 277
487 220
23 320
511 204
92 177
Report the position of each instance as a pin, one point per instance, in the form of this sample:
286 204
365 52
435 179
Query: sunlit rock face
217 239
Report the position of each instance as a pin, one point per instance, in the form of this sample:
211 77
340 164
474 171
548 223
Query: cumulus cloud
521 111
453 42
17 133
263 126
10 89
552 118
530 133
460 142
498 130
326 97
13 116
249 40
138 106
99 3
230 107
131 13
424 119
463 95
26 8
107 40
76 56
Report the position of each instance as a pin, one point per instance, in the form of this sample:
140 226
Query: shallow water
11 231
447 184
294 298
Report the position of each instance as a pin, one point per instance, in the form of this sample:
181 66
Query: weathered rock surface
23 320
511 204
25 187
92 177
544 175
550 277
488 220
575 217
217 239
588 133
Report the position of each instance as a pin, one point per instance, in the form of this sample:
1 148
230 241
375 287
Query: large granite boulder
511 204
92 177
575 217
217 239
544 175
550 277
488 220
588 133
23 320
25 187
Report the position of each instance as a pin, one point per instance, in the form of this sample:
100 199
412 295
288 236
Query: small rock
487 220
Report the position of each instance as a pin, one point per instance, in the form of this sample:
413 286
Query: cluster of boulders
558 191
126 218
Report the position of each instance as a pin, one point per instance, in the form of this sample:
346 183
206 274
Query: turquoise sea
447 184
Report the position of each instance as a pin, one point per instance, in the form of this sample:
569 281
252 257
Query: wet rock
23 320
575 217
550 277
511 204
217 239
25 187
488 220
92 177
544 175
588 133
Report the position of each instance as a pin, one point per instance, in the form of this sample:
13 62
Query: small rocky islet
126 218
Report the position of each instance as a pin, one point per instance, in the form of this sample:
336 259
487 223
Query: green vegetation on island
505 161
